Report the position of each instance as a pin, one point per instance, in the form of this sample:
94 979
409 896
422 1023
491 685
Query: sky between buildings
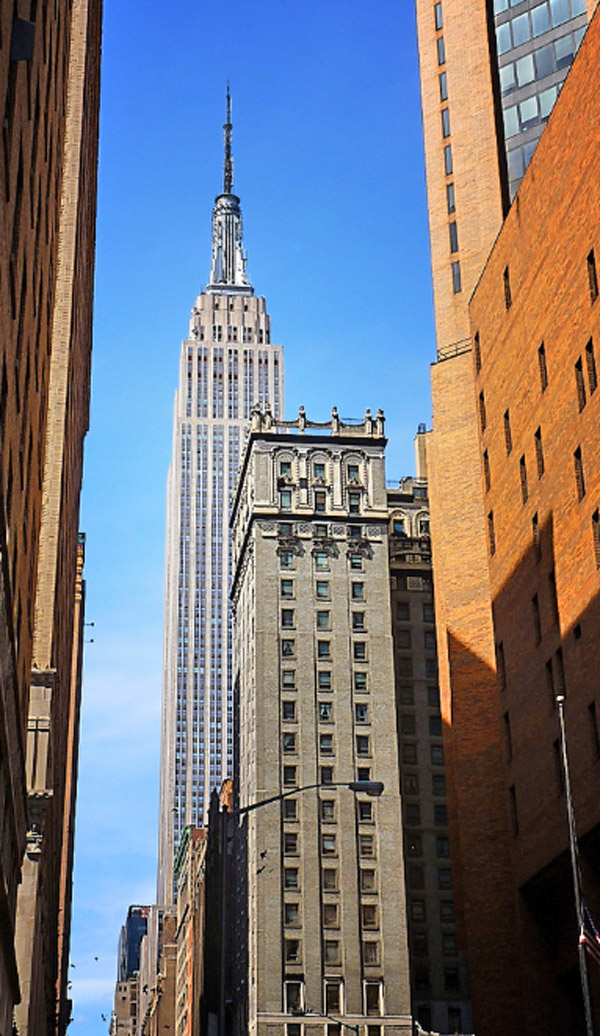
329 166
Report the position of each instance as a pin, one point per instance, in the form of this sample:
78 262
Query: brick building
439 980
49 86
320 872
516 573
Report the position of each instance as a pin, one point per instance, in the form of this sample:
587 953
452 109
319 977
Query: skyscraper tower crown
228 267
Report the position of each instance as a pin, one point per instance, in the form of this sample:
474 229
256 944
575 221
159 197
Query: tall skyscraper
227 365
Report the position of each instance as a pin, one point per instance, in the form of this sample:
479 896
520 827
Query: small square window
354 532
290 878
288 710
291 914
363 773
361 712
328 810
330 915
365 811
325 711
358 591
290 843
320 531
367 881
360 681
328 845
290 809
330 879
288 677
289 742
321 561
366 845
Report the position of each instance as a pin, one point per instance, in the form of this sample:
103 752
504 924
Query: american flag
589 936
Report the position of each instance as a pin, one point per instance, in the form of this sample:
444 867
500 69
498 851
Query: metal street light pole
585 986
372 788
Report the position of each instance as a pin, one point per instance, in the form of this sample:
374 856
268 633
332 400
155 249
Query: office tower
438 971
514 575
319 886
49 84
132 933
227 365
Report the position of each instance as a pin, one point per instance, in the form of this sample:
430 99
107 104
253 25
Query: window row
325 711
403 611
323 622
248 335
320 530
410 784
327 810
528 113
324 679
333 998
353 503
540 19
322 592
321 560
319 470
332 952
412 817
538 64
408 725
290 744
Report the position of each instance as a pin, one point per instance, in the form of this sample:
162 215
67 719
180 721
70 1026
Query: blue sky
329 166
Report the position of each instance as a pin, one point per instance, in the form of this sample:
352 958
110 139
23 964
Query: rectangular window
442 847
443 81
453 232
285 500
369 917
441 51
333 997
293 996
543 368
361 712
327 775
362 744
482 412
286 559
356 562
456 280
321 561
437 755
290 877
358 591
593 718
326 744
367 881
537 621
359 650
331 915
507 291
332 951
507 433
580 384
290 776
536 536
320 500
328 810
365 812
592 276
285 468
325 711
487 478
579 476
512 792
366 845
591 367
289 742
523 478
491 532
539 452
371 952
445 122
288 710
330 879
360 681
323 649
324 680
288 676
290 809
596 536
354 503
440 816
287 587
353 472
437 14
438 784
322 589
319 469
358 620
328 845
287 618
290 843
293 953
477 351
322 620
507 735
287 647
448 165
450 198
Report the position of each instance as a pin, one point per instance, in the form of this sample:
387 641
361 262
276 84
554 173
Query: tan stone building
190 866
439 980
320 873
49 85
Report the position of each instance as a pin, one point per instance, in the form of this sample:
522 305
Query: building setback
319 875
227 365
49 92
515 571
439 980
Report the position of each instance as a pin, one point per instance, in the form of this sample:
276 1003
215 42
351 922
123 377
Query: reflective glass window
528 110
500 5
540 19
515 164
503 39
547 99
511 121
507 79
544 61
564 49
521 29
559 11
525 70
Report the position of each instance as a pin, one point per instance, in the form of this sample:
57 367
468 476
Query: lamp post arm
283 795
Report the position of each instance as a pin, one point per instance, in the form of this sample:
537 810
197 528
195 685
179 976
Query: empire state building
227 365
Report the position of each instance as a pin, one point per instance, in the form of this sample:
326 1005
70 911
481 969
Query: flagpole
585 985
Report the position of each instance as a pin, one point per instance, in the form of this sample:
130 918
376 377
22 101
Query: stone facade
320 872
49 79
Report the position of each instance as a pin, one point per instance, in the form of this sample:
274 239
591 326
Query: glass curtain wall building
227 365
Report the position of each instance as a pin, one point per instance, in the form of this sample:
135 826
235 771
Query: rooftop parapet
372 427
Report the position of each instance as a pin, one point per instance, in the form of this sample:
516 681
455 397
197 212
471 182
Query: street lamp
372 788
585 987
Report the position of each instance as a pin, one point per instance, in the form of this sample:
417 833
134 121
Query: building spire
228 266
228 161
